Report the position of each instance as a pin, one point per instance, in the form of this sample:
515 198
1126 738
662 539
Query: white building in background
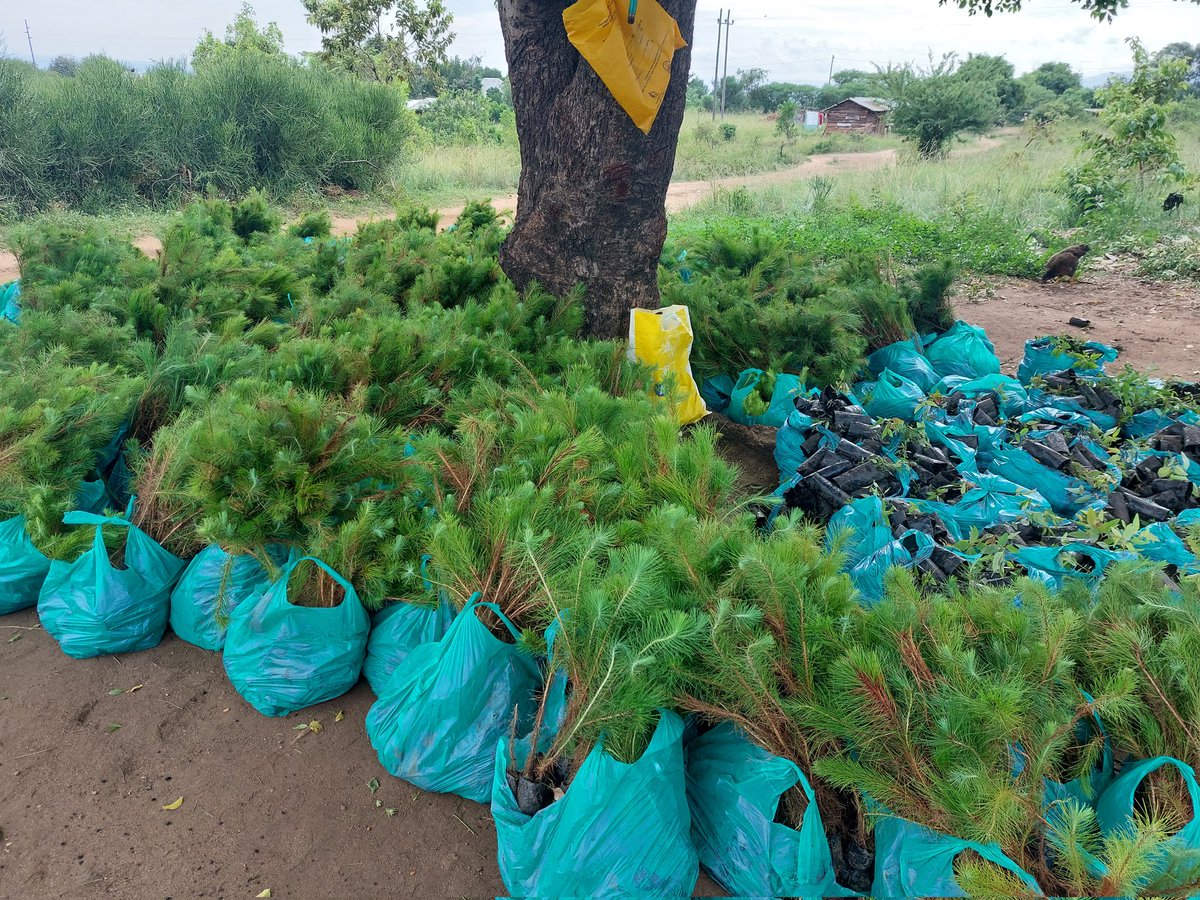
488 83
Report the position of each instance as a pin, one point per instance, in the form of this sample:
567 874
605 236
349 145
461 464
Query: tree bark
593 189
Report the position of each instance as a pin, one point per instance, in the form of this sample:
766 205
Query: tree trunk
592 196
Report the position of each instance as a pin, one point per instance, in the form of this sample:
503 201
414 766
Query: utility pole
830 81
725 74
29 38
717 64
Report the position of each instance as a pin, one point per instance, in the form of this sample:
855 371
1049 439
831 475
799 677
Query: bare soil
264 805
1155 325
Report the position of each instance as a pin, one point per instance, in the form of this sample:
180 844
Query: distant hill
1095 81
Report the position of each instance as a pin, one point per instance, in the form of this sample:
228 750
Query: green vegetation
389 403
107 137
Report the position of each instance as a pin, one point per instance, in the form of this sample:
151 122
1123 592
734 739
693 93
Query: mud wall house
857 115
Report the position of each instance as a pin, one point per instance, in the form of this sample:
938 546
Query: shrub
467 118
242 120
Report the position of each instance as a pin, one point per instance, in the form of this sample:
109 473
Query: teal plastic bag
1052 565
861 528
1158 543
782 403
397 630
438 720
1042 357
789 451
92 497
734 788
92 608
23 568
1189 518
1066 495
1146 423
10 302
963 350
213 585
281 657
893 397
716 392
913 861
619 830
906 360
1115 807
990 501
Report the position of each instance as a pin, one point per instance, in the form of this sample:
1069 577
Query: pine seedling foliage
625 636
1141 859
953 711
264 463
781 609
1144 648
55 420
378 550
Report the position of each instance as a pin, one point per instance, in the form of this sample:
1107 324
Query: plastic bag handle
1122 791
338 579
79 517
748 378
475 601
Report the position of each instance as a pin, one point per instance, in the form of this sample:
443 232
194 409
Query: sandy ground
264 805
1155 325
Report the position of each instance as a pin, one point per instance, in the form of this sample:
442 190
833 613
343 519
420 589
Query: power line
29 37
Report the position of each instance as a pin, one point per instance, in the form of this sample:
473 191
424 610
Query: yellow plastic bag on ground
633 61
663 338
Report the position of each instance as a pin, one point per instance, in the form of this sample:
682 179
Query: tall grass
995 210
107 136
444 175
704 153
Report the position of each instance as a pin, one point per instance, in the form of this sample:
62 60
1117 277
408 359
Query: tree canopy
1100 9
241 35
382 40
1056 77
937 109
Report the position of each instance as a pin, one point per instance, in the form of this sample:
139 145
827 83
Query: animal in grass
1064 263
1173 201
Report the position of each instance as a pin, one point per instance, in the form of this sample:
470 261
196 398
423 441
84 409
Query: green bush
243 120
465 118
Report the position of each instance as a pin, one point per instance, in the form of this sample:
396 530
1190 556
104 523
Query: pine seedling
55 420
1145 649
953 711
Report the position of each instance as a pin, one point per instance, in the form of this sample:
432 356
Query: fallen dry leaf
315 727
136 687
340 715
266 893
178 803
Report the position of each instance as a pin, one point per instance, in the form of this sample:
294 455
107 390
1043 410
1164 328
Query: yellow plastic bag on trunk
663 338
633 61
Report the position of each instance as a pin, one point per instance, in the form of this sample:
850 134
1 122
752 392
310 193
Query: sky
793 41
